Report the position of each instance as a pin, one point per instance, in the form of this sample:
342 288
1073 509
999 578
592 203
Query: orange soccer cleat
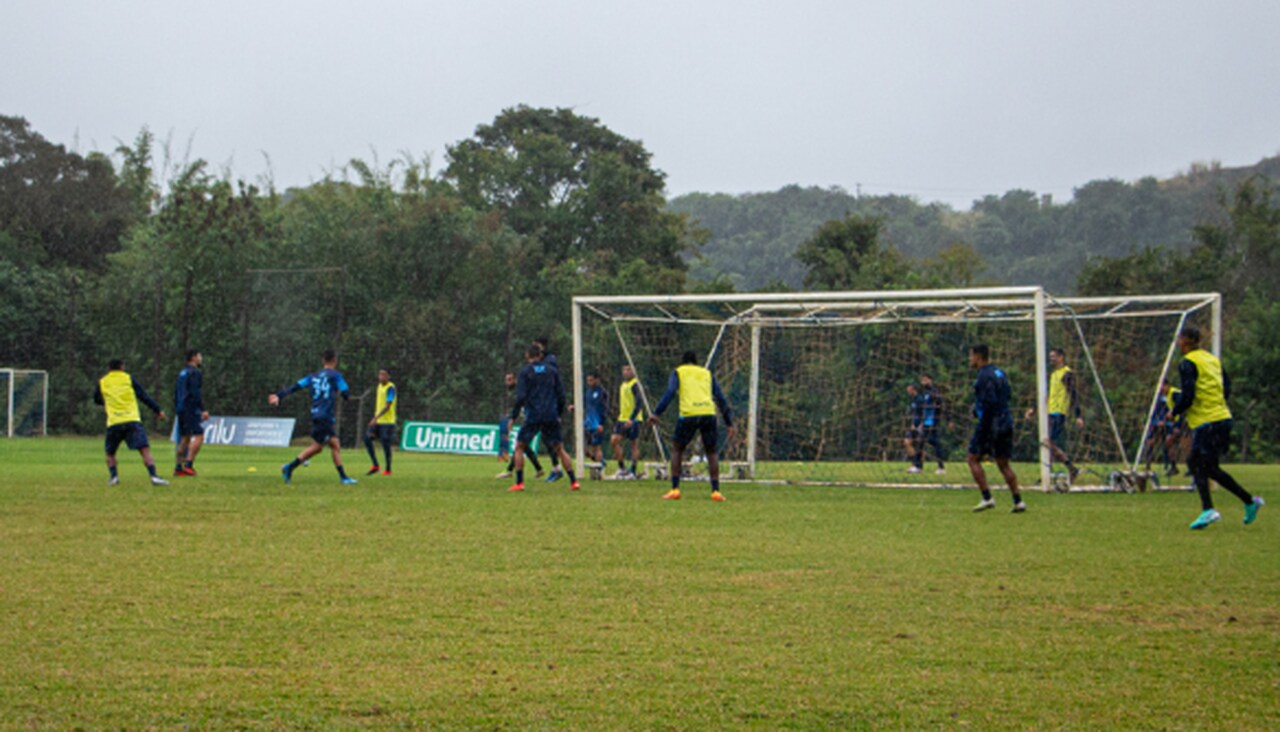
517 488
717 496
672 495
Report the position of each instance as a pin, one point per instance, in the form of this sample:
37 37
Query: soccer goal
818 382
26 402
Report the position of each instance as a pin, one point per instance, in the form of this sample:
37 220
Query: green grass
436 599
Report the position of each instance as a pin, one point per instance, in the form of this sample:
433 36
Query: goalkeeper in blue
1206 387
993 431
324 386
699 396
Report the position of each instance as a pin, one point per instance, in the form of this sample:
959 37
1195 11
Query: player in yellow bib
383 425
1206 387
1064 400
699 397
627 426
119 394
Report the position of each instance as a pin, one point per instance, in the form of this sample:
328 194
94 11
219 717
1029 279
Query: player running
993 428
540 392
1063 398
1206 387
119 393
190 413
383 425
324 386
630 416
700 395
925 408
593 418
504 436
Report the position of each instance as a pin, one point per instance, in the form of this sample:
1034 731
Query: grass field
435 599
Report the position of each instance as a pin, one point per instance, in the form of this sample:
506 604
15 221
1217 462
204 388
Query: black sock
622 465
115 472
368 445
1224 479
633 466
715 485
675 482
190 463
520 476
386 451
986 494
152 470
294 465
342 473
572 479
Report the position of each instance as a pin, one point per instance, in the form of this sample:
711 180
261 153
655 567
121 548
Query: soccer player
1206 387
119 393
1063 398
1159 426
597 405
630 415
699 396
504 436
543 344
190 412
1175 432
383 425
993 428
324 386
540 392
926 408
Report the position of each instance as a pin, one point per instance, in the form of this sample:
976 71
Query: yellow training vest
627 401
1059 398
118 398
390 416
1171 399
1210 405
695 391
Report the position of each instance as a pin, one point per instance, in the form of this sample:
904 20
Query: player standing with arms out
119 393
324 386
699 396
1063 398
383 425
597 406
190 412
630 415
540 392
1206 387
504 437
993 428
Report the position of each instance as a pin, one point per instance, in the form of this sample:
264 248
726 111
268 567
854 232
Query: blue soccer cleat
1206 518
349 481
1251 510
287 472
556 474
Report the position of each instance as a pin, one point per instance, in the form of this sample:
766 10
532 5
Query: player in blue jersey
324 386
190 413
540 393
504 438
1159 426
993 428
926 421
593 418
543 344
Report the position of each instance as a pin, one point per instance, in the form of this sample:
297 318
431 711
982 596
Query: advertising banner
459 439
246 431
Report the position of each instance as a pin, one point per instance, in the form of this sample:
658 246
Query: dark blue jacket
540 392
991 394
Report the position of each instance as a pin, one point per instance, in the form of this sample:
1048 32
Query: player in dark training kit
593 417
699 395
993 428
324 386
926 421
190 412
1206 387
540 393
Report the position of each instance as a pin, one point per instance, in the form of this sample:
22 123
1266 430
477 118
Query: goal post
817 380
26 402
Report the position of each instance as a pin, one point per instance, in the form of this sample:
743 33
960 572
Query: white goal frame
44 397
818 309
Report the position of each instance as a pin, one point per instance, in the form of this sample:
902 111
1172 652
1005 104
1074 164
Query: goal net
24 402
826 387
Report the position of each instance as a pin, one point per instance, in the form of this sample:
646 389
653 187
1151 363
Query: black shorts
628 433
130 433
595 437
383 432
189 424
323 430
688 427
550 432
997 444
1057 426
1210 441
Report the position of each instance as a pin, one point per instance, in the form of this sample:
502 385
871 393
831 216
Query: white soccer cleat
157 480
985 504
503 475
115 480
1019 507
940 471
913 470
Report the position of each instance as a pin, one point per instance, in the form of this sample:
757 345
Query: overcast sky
941 99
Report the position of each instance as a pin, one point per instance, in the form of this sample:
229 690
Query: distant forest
1021 237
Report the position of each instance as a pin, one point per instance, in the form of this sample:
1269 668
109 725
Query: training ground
435 599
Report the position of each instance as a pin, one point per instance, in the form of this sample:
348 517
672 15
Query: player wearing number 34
324 386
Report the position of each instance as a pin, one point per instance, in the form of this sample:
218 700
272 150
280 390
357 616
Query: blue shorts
997 444
595 435
189 424
689 427
628 433
550 432
130 433
323 430
1057 427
